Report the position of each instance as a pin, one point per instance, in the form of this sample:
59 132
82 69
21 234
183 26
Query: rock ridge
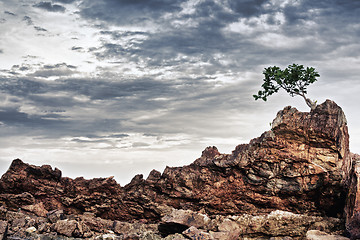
301 166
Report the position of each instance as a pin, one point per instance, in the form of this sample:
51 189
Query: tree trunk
310 103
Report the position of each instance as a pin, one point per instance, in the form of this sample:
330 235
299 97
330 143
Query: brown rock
38 209
3 229
69 228
352 207
194 234
55 215
187 218
301 165
319 235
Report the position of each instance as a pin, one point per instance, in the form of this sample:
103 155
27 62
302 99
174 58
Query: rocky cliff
301 166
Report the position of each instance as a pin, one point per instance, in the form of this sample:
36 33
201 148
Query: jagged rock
277 223
186 218
319 235
38 209
136 228
55 215
194 234
302 165
3 212
69 228
3 229
352 207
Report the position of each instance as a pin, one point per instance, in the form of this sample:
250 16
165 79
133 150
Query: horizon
118 88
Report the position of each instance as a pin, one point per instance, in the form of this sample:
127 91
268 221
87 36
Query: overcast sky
120 87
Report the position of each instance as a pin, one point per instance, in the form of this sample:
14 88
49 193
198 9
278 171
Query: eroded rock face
352 208
301 166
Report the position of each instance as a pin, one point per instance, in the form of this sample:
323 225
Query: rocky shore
296 181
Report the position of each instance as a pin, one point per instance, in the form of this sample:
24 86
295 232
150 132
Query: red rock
352 208
301 165
69 228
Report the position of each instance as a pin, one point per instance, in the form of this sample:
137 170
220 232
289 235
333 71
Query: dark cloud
128 11
10 13
77 48
28 20
1 51
40 29
14 117
247 8
59 65
65 1
50 7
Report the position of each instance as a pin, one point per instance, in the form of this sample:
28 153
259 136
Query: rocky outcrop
176 224
352 208
301 167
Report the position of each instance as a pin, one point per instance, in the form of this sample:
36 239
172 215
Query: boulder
69 228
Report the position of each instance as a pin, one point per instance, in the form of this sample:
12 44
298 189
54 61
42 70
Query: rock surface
352 207
300 169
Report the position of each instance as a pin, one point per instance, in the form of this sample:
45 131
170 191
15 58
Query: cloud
56 70
50 7
14 117
247 8
10 13
77 48
40 29
126 11
28 20
65 1
1 51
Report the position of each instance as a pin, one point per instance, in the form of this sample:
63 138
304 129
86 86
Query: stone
187 218
319 235
31 229
55 215
3 229
66 227
194 234
38 209
352 207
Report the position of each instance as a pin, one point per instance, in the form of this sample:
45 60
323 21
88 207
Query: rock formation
296 173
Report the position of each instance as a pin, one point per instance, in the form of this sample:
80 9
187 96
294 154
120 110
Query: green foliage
294 80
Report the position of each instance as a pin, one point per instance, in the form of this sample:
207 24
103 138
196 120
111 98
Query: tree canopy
294 80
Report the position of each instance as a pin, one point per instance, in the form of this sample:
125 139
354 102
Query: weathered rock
3 212
38 209
302 165
134 229
277 223
319 235
69 228
55 215
352 208
186 218
3 229
194 234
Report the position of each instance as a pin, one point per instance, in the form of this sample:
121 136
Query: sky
102 88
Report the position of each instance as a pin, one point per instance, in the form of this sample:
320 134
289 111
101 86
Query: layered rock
299 166
352 208
302 165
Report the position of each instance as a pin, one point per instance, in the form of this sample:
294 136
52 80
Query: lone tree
294 80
